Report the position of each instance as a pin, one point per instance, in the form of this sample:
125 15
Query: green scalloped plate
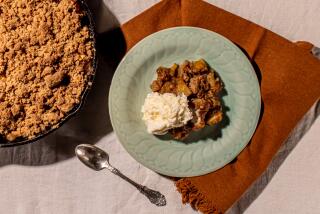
204 151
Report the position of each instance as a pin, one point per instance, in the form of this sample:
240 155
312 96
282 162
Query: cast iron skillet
87 20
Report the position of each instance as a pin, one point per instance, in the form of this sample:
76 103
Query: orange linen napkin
289 80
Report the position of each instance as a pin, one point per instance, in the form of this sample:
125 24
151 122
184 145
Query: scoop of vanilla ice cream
162 112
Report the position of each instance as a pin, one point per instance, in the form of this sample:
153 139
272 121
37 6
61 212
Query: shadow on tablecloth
92 122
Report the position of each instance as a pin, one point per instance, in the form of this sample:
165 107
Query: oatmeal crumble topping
46 56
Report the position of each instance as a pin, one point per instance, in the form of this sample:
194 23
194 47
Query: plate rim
204 172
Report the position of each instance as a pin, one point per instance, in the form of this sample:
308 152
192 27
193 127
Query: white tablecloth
45 177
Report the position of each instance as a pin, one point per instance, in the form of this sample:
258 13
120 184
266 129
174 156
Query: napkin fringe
190 194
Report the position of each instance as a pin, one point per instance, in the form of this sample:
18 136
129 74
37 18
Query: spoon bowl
92 156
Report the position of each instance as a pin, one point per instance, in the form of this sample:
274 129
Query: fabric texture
288 76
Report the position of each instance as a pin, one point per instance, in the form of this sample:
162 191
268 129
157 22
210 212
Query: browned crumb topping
46 57
200 84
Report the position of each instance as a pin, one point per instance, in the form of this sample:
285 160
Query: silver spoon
97 159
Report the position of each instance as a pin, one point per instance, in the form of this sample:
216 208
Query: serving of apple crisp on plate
200 85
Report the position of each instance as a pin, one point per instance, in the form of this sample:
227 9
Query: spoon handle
155 197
